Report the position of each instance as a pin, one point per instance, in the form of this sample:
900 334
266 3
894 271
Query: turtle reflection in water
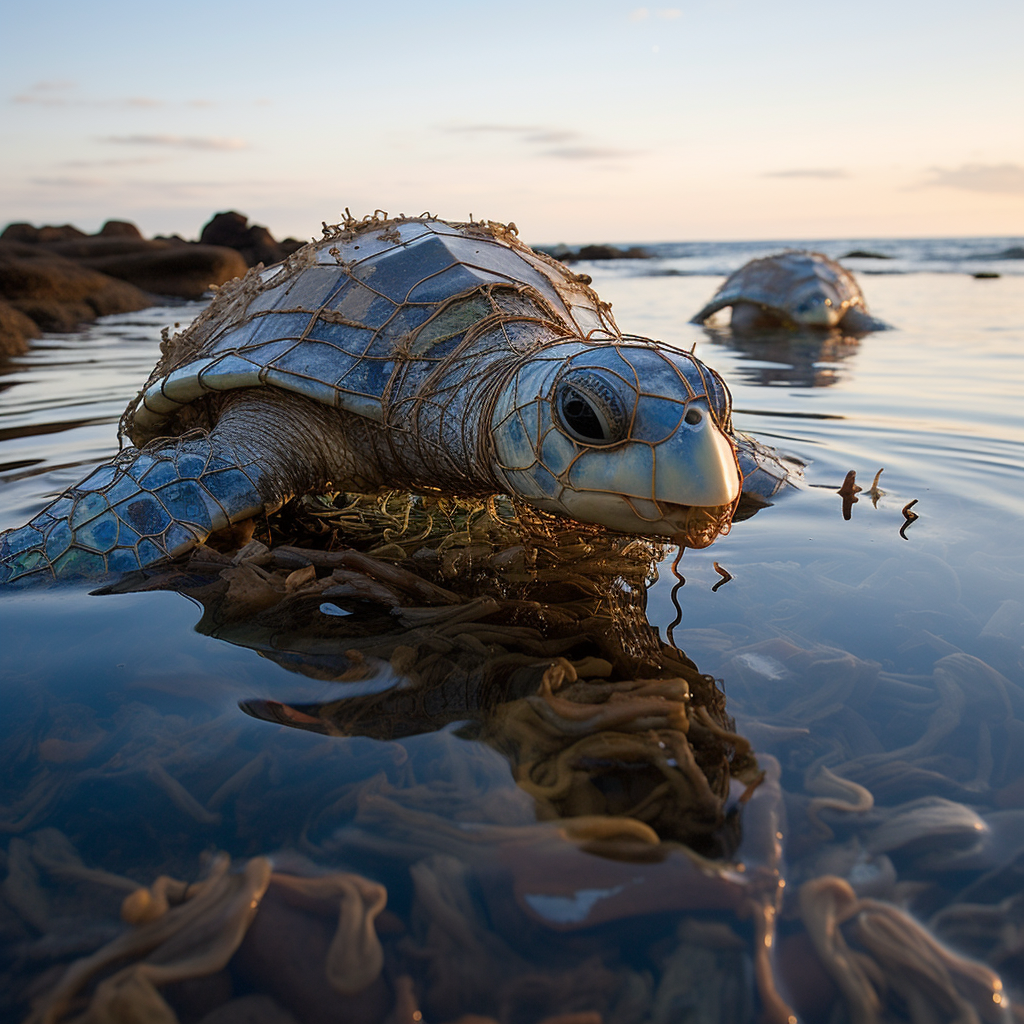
542 649
404 352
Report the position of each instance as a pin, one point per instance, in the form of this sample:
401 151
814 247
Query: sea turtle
407 352
795 289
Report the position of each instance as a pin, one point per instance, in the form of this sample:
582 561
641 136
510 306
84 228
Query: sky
600 121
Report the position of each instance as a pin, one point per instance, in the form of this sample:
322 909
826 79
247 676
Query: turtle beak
697 465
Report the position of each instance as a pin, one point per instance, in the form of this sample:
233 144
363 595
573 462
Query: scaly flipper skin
141 508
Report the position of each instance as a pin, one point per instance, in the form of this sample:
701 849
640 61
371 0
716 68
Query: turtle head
816 304
629 435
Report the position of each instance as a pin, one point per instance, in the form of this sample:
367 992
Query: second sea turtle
793 289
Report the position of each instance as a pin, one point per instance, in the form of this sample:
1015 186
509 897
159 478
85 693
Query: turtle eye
590 410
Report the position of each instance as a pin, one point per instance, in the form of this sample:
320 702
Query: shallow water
880 653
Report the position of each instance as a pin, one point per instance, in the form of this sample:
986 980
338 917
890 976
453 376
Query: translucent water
873 662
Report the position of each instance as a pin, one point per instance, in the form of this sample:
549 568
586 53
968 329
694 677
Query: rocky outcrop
596 252
50 292
27 233
15 330
56 278
185 271
255 243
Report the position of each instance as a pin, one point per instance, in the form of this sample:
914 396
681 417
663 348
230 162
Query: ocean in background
874 661
889 255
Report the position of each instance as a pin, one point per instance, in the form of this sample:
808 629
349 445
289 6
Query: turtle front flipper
145 506
859 321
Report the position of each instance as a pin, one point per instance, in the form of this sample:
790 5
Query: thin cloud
486 129
62 93
53 85
71 182
589 153
177 141
1005 179
823 173
665 13
558 143
131 161
548 137
56 99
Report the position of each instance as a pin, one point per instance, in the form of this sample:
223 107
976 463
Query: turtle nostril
693 416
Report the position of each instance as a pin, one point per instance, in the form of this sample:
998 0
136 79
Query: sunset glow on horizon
580 122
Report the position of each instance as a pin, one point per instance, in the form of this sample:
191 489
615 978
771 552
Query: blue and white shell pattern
335 320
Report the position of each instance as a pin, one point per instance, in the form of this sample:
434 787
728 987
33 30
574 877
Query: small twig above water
874 492
724 573
848 492
908 516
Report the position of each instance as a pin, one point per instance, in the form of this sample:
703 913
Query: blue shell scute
88 507
144 514
17 541
316 359
61 507
344 338
164 472
274 326
452 281
179 538
124 488
58 540
190 467
396 274
77 563
367 377
126 536
100 535
148 552
312 288
124 559
103 477
233 337
184 500
232 490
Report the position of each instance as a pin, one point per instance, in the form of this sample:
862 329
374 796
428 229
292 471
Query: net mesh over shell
416 325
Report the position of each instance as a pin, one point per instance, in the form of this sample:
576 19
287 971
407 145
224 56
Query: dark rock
597 252
53 316
15 330
20 232
187 271
865 254
94 246
57 293
48 233
229 228
232 229
120 229
985 275
45 275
